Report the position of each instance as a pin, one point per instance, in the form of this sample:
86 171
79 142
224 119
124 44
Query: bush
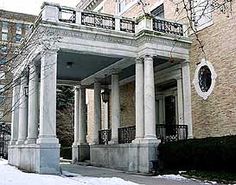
209 154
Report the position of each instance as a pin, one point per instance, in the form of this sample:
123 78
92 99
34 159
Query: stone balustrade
56 13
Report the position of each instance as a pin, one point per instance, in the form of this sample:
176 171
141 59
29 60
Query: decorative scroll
126 134
168 27
66 15
169 133
104 136
127 25
98 20
5 133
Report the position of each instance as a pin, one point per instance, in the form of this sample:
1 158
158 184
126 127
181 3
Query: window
158 11
4 36
121 5
18 28
204 79
5 27
4 31
18 38
3 49
2 75
3 61
202 14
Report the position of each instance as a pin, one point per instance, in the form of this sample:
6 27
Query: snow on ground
172 177
12 176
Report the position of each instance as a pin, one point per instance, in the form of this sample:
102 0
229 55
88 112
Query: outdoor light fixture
106 93
26 90
69 65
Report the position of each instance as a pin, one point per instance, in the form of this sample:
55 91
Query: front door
170 114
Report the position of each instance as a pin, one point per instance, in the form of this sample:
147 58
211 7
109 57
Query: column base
48 140
80 153
20 142
48 158
30 141
13 142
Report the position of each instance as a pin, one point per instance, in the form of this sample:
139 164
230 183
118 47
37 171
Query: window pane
1 89
4 26
3 49
2 75
19 29
4 36
3 61
18 38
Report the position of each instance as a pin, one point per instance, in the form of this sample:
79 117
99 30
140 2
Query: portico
85 50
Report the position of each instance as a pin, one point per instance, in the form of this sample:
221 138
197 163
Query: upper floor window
5 31
202 14
18 28
121 5
5 27
158 11
2 75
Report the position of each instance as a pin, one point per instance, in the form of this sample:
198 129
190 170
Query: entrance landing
91 171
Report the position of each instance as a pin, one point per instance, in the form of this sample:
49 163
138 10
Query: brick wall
216 116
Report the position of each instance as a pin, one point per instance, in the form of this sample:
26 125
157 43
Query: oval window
204 78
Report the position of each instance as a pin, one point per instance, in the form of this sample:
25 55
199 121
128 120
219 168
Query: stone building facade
13 27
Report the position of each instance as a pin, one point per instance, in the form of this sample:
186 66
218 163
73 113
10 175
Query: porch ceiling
82 65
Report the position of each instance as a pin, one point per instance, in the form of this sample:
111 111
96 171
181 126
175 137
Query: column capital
139 60
148 58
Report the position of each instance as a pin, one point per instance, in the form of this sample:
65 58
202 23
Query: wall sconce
26 91
69 65
106 93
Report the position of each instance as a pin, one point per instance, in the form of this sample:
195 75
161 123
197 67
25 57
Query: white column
115 107
23 111
149 99
187 97
106 116
139 99
180 101
15 112
76 116
97 111
33 108
82 115
48 85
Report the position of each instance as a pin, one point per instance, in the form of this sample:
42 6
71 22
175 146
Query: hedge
209 154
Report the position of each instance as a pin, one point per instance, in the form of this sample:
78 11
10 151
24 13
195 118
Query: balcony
109 22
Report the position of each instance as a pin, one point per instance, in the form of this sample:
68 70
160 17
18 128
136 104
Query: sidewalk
91 171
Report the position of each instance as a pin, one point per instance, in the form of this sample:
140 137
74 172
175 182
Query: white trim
99 6
126 8
156 5
204 95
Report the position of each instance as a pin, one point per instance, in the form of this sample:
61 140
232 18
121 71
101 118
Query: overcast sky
31 6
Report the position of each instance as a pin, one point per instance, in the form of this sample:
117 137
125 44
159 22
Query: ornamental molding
93 36
206 94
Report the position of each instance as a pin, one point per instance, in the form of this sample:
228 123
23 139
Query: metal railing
167 27
164 132
104 136
127 25
98 20
169 132
126 134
